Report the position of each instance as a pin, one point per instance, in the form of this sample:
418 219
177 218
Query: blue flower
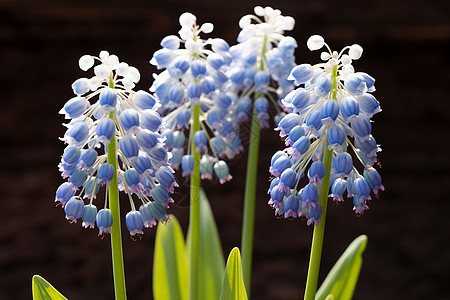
327 111
107 109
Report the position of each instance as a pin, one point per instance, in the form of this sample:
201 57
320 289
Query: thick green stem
249 201
194 214
319 230
116 236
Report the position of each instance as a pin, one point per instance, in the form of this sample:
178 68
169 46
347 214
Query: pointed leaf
42 290
170 263
342 279
233 287
212 263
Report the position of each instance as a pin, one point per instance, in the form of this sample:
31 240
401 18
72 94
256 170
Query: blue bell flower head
206 167
78 177
288 122
237 76
176 95
160 155
355 84
310 196
291 206
104 221
143 165
158 211
288 179
175 160
134 222
87 158
167 134
194 91
81 86
314 122
77 134
171 42
368 146
91 188
359 206
74 209
187 165
208 85
300 99
316 172
200 141
235 144
108 100
129 147
336 138
322 86
214 117
89 216
66 170
277 155
215 60
349 108
314 213
300 147
166 179
223 101
147 217
222 171
178 67
144 100
343 164
373 178
198 69
294 134
337 190
105 130
370 81
329 112
64 193
161 195
244 108
218 145
262 81
183 118
361 127
71 155
162 58
248 77
281 164
75 107
350 189
368 104
362 189
301 74
105 174
276 197
219 78
262 109
129 119
273 183
178 139
226 130
147 139
219 45
287 46
132 180
151 120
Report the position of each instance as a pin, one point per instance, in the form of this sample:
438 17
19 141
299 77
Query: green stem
319 230
194 214
116 236
249 201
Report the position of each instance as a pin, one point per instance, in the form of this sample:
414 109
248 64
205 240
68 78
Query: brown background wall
406 48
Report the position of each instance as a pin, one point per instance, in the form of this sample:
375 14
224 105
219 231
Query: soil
406 46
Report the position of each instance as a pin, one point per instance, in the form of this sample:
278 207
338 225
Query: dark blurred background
406 48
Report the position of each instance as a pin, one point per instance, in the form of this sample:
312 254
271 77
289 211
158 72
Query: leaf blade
233 287
43 290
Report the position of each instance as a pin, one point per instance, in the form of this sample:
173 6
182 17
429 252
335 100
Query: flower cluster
329 114
195 75
104 113
262 59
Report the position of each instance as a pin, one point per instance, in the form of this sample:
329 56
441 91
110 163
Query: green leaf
170 263
233 287
212 263
340 283
42 290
